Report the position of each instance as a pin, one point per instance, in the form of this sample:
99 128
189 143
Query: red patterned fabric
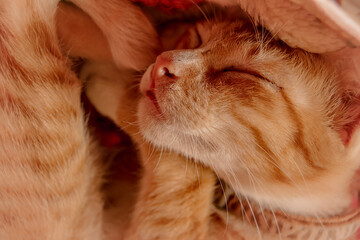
168 5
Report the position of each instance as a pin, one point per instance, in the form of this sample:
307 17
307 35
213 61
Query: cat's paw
133 40
113 92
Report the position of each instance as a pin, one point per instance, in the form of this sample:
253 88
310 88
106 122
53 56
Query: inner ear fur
346 64
348 118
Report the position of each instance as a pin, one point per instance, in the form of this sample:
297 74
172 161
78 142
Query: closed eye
250 72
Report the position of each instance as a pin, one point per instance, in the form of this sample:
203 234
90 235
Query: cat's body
51 179
49 175
276 123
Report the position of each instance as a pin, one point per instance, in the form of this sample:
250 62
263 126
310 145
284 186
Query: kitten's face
259 114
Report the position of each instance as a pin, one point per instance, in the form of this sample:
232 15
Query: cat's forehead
226 31
233 40
228 44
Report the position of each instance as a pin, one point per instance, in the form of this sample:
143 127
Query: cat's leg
132 38
49 185
175 196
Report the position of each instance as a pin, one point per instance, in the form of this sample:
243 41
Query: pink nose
164 68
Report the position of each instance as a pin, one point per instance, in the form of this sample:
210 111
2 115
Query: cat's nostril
168 73
164 68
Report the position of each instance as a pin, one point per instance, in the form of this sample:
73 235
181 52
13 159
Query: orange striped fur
52 178
268 119
49 181
51 172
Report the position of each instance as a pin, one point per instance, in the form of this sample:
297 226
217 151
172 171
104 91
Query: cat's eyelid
251 72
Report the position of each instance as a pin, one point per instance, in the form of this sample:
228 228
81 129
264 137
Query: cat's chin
150 109
156 129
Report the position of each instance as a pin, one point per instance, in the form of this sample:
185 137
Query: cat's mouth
151 95
147 88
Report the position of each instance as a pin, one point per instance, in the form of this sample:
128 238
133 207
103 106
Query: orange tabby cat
50 181
273 115
275 123
51 178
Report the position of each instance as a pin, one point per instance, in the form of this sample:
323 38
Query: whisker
262 33
237 195
257 35
152 151
253 179
277 224
226 204
134 123
197 173
274 35
157 164
253 214
275 164
295 184
201 11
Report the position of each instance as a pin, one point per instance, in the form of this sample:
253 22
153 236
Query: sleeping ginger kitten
275 123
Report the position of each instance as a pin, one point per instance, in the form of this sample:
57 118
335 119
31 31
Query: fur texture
276 123
51 176
49 180
264 116
273 115
126 42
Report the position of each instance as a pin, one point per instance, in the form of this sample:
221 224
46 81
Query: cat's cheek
149 110
149 118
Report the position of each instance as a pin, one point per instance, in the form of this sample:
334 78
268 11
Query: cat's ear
347 111
349 117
